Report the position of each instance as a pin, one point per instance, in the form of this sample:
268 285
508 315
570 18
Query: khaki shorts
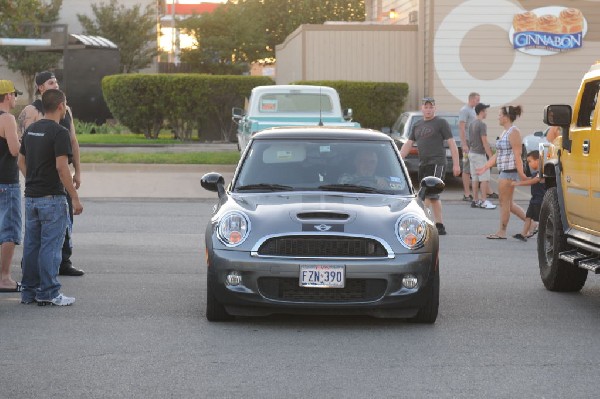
477 162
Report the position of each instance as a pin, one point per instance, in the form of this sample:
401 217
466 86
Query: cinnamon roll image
525 22
571 20
549 24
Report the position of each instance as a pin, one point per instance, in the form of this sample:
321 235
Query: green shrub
374 104
146 103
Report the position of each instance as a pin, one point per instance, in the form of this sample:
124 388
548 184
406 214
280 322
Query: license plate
322 276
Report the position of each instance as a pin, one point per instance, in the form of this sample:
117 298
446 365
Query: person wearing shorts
508 161
479 153
429 134
10 191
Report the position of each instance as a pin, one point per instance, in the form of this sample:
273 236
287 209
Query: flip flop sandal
495 237
520 236
18 288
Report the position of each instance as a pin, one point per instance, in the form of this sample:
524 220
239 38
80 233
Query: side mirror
237 114
348 114
430 185
560 115
213 182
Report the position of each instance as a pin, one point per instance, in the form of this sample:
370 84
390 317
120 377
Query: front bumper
271 285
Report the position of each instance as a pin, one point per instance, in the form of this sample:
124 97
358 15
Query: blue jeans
10 213
46 220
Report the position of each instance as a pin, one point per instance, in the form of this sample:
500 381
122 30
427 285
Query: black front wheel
215 311
429 312
556 274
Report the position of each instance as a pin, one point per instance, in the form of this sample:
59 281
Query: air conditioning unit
413 17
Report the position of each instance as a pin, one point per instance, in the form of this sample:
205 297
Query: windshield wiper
265 186
351 188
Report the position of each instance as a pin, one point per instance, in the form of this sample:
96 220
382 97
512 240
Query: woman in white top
508 160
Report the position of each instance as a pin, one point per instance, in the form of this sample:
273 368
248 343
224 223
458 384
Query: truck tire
556 274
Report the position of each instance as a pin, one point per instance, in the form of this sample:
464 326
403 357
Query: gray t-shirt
476 134
467 115
429 136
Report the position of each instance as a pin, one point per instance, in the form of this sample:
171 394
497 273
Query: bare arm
75 148
455 158
22 165
486 147
27 117
515 143
463 136
406 148
9 132
62 166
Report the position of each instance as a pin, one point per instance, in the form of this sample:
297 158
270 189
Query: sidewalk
147 180
183 181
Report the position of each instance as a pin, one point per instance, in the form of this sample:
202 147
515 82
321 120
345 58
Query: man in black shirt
43 160
34 112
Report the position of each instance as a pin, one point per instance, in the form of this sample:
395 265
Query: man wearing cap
10 191
429 134
479 153
33 113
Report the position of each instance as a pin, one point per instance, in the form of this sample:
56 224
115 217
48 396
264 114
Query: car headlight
411 231
233 228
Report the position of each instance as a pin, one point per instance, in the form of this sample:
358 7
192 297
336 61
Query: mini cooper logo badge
322 227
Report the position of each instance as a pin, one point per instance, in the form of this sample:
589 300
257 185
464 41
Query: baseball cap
41 78
480 107
426 100
7 86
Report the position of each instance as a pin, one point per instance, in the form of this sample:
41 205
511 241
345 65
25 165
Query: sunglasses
15 94
428 100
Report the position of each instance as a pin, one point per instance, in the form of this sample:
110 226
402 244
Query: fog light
409 281
234 278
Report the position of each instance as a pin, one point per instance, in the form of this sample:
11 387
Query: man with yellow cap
10 191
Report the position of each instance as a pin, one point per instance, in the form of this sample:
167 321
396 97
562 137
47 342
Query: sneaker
59 300
475 204
441 229
487 205
27 301
467 197
519 236
493 196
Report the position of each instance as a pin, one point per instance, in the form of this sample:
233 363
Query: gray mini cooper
321 220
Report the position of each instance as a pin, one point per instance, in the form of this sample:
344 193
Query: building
449 48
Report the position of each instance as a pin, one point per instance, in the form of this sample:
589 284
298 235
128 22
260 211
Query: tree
131 29
28 19
245 31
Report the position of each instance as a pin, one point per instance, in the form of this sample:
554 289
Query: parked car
403 126
290 105
297 231
532 142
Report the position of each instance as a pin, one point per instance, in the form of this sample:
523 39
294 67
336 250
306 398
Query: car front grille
288 289
323 247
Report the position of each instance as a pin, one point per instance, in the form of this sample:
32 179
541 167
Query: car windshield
294 102
322 165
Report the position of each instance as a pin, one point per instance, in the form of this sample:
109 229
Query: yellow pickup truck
569 230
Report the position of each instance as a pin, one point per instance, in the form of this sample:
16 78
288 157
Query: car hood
329 213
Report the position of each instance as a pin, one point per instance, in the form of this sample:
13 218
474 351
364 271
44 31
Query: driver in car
365 163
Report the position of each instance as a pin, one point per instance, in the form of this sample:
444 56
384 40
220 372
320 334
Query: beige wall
376 53
472 52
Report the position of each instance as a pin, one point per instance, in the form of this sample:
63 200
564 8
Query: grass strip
191 158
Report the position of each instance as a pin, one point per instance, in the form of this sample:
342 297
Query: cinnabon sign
548 30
